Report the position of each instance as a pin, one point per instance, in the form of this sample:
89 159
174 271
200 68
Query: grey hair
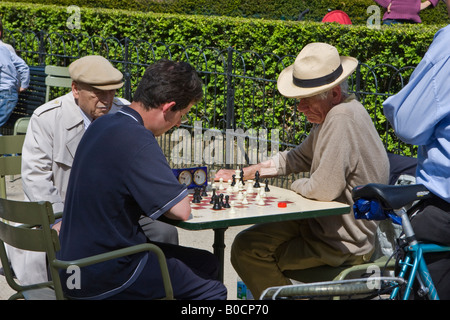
344 91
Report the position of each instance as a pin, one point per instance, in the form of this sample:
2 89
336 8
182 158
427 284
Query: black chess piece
233 182
242 177
266 188
213 196
256 185
216 205
204 193
227 202
196 198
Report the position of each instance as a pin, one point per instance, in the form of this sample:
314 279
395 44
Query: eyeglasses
184 119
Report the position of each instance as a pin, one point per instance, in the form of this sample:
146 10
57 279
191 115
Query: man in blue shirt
120 173
420 115
14 78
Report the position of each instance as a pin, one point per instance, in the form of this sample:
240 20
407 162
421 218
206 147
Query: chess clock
192 177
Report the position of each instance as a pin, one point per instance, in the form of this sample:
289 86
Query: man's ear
167 106
337 95
75 90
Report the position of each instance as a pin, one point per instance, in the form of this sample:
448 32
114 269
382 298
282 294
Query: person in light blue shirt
420 115
14 78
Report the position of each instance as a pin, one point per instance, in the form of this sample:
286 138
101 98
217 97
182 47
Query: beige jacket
51 141
341 153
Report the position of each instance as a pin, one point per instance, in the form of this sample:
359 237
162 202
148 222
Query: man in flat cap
53 135
342 150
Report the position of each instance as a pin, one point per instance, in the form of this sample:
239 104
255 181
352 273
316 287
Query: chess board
205 203
279 204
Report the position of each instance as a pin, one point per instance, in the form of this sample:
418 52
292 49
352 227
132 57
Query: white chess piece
262 192
244 200
230 188
261 201
237 175
221 184
232 204
240 196
250 186
236 187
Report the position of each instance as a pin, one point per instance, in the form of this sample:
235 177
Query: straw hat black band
317 82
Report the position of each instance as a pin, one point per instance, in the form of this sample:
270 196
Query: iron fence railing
240 101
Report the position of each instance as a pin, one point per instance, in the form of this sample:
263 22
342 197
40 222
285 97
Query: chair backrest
10 158
21 125
56 77
26 226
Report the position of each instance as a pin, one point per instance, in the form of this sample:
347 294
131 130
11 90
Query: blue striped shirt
14 72
420 115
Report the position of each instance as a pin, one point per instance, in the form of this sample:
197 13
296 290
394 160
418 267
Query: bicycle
378 202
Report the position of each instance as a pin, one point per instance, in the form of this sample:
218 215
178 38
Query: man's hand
57 226
266 169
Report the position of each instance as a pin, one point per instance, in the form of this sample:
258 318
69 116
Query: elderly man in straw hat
52 138
343 150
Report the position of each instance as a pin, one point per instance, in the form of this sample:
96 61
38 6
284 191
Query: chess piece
234 180
242 177
204 193
236 187
250 186
232 210
266 188
213 196
230 188
221 184
261 201
256 185
244 200
197 197
216 205
262 192
227 202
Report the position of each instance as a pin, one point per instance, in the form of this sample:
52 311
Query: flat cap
97 72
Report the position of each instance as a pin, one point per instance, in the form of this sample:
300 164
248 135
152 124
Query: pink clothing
404 9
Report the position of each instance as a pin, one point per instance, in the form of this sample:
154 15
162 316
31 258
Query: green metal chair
10 158
26 225
56 77
21 125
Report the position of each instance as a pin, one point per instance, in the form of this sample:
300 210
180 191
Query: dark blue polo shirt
118 174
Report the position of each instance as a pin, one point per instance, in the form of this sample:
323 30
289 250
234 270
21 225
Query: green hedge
267 9
400 46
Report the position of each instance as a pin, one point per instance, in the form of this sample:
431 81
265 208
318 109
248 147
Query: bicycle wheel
352 288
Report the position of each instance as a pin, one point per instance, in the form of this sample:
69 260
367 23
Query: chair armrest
120 253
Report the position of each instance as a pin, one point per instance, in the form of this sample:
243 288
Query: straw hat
317 69
97 72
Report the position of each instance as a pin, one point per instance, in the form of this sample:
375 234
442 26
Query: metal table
297 207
